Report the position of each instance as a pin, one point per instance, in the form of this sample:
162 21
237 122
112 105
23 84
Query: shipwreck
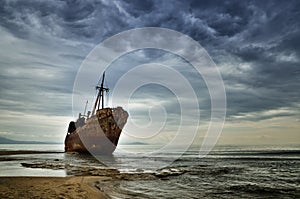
98 131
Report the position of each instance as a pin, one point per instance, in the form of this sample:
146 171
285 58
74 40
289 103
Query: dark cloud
255 44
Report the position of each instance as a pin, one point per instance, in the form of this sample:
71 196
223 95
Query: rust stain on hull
99 134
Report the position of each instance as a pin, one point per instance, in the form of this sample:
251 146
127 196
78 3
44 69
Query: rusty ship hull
98 134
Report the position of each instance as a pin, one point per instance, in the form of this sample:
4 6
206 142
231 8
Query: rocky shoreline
110 173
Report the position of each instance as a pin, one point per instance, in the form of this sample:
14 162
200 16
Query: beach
26 172
51 187
150 99
43 171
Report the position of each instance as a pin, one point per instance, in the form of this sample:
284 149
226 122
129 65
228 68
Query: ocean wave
265 190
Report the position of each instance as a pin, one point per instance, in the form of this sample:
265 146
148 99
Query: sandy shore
51 187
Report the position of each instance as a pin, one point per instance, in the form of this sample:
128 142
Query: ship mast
85 107
100 96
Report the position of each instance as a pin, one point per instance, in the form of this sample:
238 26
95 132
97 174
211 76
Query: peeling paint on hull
99 134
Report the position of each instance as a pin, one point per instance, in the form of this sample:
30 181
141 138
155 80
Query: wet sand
82 181
51 187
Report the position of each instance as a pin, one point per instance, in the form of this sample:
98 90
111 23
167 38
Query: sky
254 44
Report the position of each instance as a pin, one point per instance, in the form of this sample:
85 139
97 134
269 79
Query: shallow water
10 163
227 172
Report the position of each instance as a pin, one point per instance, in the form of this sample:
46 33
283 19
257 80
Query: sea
226 172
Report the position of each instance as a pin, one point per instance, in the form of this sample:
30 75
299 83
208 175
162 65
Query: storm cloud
255 45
